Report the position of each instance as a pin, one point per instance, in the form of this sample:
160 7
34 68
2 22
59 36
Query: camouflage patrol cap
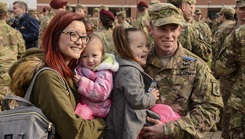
3 6
198 11
178 2
240 3
227 10
104 7
96 10
122 13
153 2
165 13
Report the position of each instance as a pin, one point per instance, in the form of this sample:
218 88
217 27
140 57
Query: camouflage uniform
94 21
106 36
204 30
43 25
125 24
185 83
191 38
12 45
214 25
231 65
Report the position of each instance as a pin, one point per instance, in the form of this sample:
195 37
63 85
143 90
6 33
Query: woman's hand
153 132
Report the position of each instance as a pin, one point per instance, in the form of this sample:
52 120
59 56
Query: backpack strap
29 90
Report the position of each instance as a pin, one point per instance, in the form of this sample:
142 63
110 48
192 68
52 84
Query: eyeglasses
74 37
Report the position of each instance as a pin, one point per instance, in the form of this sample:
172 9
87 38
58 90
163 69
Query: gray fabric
130 101
25 121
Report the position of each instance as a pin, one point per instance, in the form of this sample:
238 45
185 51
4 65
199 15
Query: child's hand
155 92
76 78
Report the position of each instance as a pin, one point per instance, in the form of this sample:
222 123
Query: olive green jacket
56 100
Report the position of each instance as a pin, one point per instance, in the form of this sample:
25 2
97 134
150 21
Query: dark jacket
29 28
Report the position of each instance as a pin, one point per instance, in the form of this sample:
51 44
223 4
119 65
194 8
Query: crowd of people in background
168 73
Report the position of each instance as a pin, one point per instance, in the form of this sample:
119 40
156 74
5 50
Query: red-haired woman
64 40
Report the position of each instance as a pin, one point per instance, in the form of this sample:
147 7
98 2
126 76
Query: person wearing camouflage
185 82
12 45
229 67
56 7
191 38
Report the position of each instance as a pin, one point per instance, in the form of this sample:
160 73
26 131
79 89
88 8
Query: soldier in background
56 7
184 80
143 20
12 45
228 67
94 20
80 9
105 30
214 24
231 65
191 38
121 19
226 18
203 28
198 14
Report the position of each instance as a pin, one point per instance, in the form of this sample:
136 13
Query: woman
64 40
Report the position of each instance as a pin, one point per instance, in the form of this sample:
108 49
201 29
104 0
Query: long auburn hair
54 57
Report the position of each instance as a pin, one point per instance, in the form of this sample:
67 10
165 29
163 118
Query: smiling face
70 49
138 45
92 54
166 39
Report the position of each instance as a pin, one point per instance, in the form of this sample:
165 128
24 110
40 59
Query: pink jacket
96 85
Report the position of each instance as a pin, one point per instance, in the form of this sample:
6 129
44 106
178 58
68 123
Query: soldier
56 7
80 9
142 21
231 65
105 30
185 82
12 46
228 68
198 14
121 19
94 20
190 37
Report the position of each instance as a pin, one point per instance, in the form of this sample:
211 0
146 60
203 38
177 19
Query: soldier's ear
150 30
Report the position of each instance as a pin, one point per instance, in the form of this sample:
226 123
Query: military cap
227 10
32 11
104 7
106 13
121 13
198 11
96 10
45 9
142 3
3 6
165 13
178 2
56 4
240 3
153 2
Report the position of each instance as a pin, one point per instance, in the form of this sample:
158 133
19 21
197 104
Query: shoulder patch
189 58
